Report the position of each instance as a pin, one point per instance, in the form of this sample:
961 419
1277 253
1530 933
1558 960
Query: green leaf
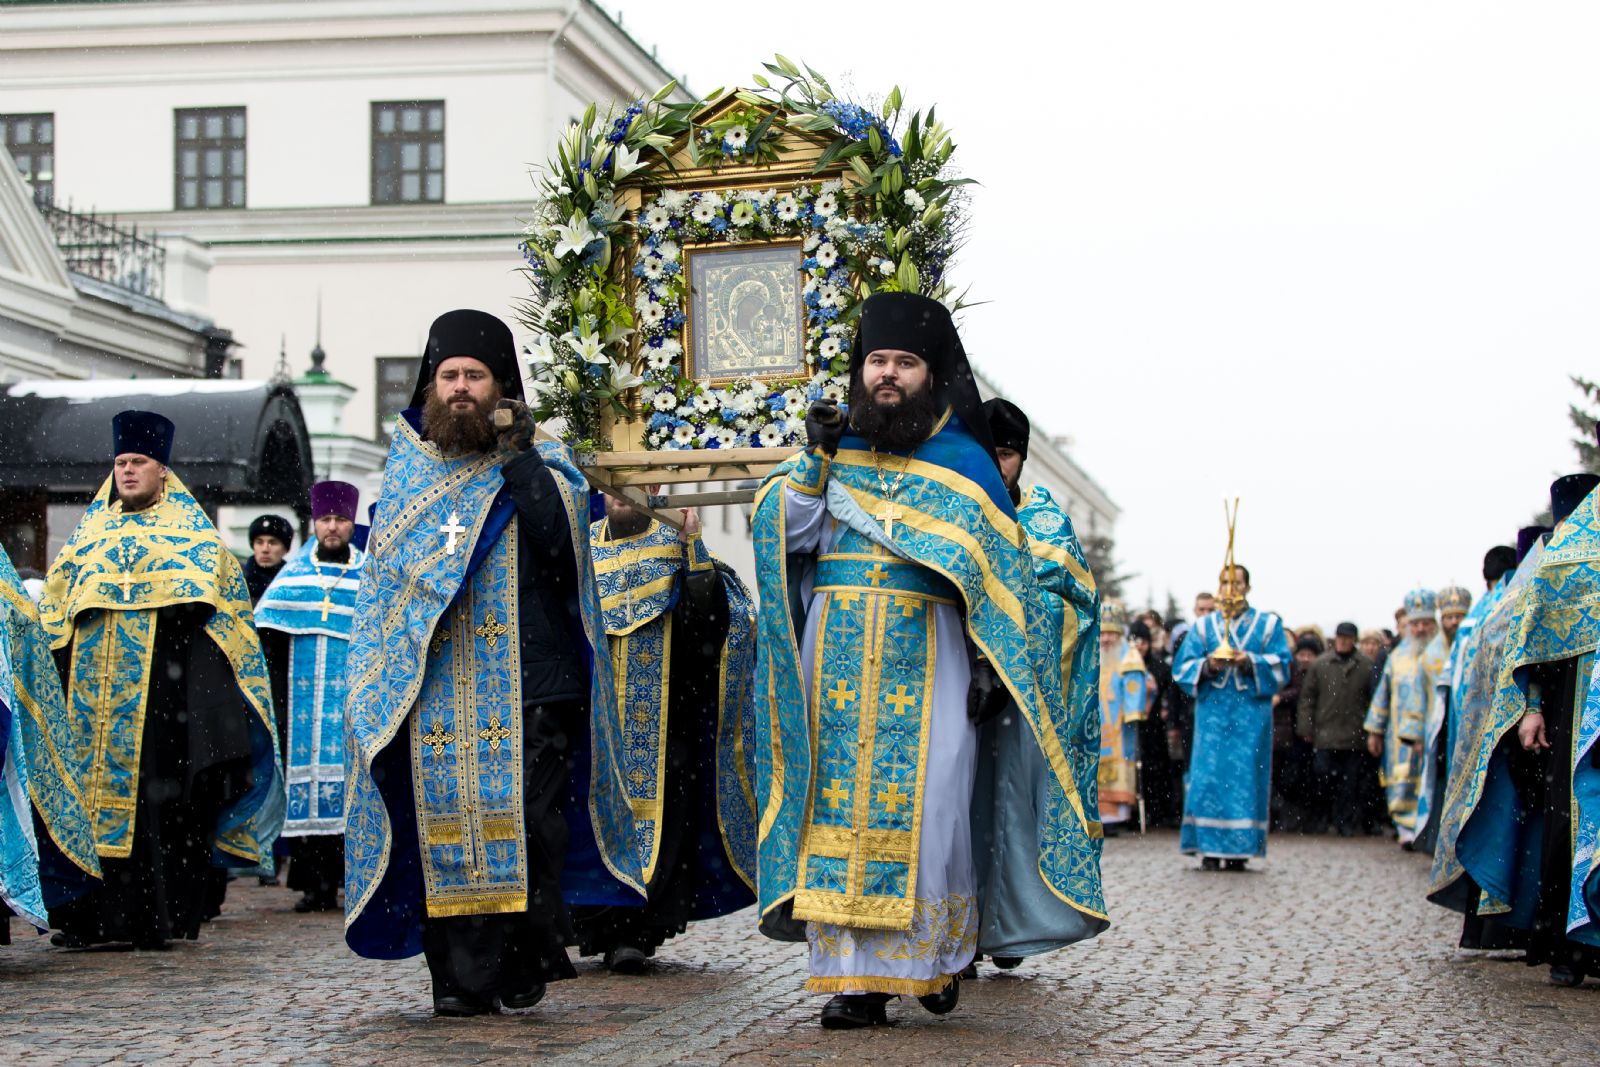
830 153
761 128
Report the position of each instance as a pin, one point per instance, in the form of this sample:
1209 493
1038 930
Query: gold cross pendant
327 604
126 581
887 517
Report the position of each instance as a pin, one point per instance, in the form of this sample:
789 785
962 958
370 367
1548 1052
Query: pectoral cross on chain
126 581
452 529
327 603
887 517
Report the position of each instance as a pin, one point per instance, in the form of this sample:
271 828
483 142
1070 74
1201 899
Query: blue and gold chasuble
1228 790
840 773
1556 616
1479 788
1399 712
1124 688
315 603
638 578
101 597
34 779
434 666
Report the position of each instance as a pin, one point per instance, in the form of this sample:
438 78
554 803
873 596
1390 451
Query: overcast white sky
1337 259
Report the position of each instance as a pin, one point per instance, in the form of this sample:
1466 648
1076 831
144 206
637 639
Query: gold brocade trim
644 592
1058 555
865 983
68 781
105 691
933 472
863 590
811 463
993 587
619 561
863 913
484 904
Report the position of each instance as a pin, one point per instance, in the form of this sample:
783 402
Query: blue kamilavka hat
144 433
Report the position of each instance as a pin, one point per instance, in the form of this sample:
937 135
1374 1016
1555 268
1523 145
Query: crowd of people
502 715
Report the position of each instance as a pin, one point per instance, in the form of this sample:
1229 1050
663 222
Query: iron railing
96 246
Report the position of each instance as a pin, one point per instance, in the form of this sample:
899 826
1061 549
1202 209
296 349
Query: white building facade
373 153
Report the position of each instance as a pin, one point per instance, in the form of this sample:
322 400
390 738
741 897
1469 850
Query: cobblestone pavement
1327 954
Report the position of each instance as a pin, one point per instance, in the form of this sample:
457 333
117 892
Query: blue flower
728 415
719 224
656 341
661 421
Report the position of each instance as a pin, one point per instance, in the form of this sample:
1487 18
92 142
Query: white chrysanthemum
668 251
726 438
672 347
674 200
827 255
747 401
742 214
833 391
666 401
652 313
683 436
705 211
658 218
659 360
787 208
736 137
826 204
829 348
886 267
832 186
706 402
829 296
914 200
811 242
653 267
771 435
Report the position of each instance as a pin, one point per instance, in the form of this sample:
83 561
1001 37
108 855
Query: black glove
986 694
514 425
699 587
824 427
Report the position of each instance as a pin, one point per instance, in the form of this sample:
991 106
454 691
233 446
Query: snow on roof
101 388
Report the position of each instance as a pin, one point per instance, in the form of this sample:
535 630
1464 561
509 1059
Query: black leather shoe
62 939
625 959
316 902
462 1007
856 1011
519 1001
971 969
1237 865
1564 974
1008 963
944 1001
1210 863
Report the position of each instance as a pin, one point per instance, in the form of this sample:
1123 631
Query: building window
408 152
31 140
397 376
210 158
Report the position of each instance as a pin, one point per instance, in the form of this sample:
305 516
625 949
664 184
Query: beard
458 432
131 504
893 427
626 523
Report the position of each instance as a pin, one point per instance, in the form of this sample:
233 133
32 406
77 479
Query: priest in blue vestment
1531 821
308 610
47 853
1232 666
1397 718
680 630
482 797
896 584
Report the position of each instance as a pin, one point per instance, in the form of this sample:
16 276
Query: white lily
624 162
623 378
575 236
587 346
541 354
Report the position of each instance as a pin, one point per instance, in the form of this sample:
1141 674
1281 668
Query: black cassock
699 628
194 759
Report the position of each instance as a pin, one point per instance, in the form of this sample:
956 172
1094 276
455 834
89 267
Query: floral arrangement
891 224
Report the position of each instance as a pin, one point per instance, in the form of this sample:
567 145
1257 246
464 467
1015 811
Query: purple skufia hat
1526 538
334 498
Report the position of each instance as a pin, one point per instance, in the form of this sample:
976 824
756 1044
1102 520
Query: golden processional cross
452 529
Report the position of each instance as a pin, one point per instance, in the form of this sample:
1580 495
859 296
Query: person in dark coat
1331 707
